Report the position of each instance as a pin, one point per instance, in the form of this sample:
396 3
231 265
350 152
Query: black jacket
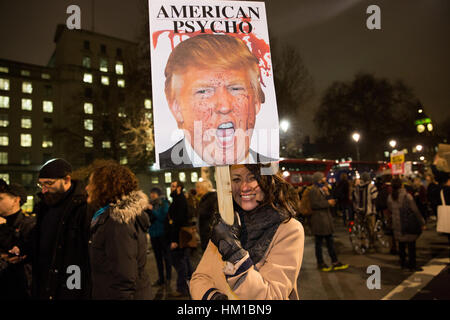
69 248
206 209
178 152
178 216
15 232
118 250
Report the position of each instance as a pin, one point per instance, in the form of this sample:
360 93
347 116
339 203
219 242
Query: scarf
257 229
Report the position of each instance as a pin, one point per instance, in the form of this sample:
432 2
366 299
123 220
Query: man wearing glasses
62 234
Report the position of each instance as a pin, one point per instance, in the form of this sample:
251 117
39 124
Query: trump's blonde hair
212 51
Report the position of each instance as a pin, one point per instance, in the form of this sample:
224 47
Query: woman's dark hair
277 192
157 191
110 181
396 186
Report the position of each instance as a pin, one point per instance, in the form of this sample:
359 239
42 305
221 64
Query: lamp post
393 143
356 136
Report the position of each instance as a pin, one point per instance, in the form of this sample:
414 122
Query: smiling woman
259 257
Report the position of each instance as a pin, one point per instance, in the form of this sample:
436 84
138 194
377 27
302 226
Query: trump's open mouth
225 134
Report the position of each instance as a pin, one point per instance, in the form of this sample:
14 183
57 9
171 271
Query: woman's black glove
226 239
219 296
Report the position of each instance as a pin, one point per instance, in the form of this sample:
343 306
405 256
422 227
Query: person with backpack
405 216
322 222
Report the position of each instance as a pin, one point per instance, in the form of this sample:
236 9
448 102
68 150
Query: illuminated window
87 77
47 142
4 139
168 177
27 179
27 104
3 157
45 76
155 180
29 205
4 102
86 62
105 80
88 124
4 84
26 123
148 103
25 73
106 144
182 176
123 160
27 87
4 69
123 146
88 141
25 140
4 120
47 106
148 115
25 159
122 113
121 83
194 176
103 65
5 176
119 67
88 108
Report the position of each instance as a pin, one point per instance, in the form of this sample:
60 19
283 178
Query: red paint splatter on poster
259 47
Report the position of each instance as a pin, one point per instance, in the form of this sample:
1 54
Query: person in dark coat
179 217
158 209
206 209
396 200
322 223
15 232
118 241
343 197
61 235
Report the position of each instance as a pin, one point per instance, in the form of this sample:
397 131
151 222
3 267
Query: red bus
299 172
355 168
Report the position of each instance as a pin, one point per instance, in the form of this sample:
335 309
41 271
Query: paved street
351 284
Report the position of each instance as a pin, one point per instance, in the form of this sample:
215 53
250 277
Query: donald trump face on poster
213 89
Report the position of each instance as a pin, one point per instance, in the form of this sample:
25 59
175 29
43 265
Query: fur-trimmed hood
129 207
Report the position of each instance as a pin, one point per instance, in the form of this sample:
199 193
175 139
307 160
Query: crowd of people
369 198
89 238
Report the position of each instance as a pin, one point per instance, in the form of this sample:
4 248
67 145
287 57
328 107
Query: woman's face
89 189
245 188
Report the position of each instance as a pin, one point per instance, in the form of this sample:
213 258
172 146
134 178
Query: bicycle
359 234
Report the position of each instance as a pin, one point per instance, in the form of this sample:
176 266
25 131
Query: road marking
418 280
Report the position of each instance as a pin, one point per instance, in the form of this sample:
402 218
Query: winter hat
317 176
14 189
55 169
365 176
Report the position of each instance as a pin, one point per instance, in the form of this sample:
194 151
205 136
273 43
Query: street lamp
419 148
284 125
356 136
393 143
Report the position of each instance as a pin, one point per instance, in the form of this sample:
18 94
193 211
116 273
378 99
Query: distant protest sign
212 79
398 163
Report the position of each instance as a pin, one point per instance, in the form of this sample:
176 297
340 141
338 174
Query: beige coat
274 277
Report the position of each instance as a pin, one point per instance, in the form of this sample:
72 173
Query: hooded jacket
364 196
118 250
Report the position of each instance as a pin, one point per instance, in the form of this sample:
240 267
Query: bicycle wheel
379 235
359 238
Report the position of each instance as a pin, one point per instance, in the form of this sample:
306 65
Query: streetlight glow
284 125
356 136
393 143
419 148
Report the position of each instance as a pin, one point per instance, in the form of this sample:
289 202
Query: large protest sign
398 163
212 79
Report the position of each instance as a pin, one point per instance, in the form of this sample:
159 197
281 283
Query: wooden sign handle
224 195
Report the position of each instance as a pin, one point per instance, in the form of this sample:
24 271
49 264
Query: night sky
413 43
